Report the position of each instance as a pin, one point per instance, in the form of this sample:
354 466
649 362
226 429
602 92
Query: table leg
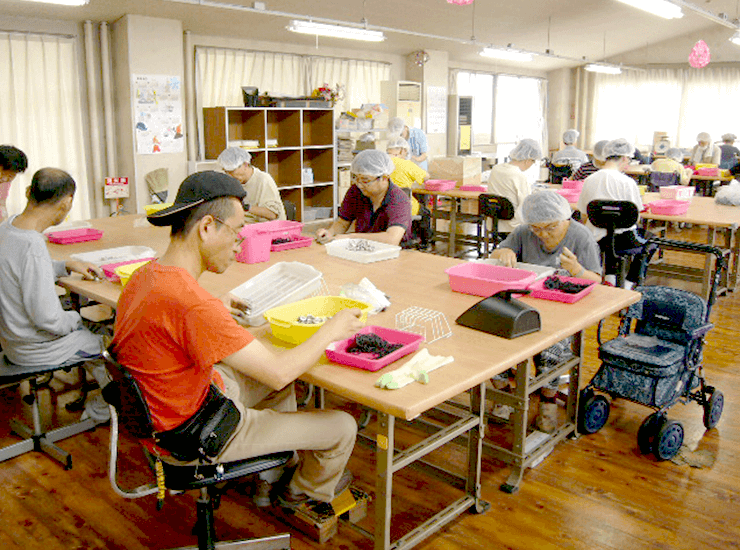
519 427
384 481
734 257
453 228
475 447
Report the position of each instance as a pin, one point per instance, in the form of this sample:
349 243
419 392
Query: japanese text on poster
436 110
158 114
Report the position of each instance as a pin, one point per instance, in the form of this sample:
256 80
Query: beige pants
271 424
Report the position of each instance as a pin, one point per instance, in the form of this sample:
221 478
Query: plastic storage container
311 213
439 185
337 351
666 207
479 188
707 171
110 269
124 272
116 255
284 319
571 195
258 239
74 236
342 248
482 279
282 283
573 184
538 290
676 192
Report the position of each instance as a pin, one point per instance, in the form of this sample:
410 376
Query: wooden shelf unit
287 141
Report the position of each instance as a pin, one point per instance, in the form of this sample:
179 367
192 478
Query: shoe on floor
288 499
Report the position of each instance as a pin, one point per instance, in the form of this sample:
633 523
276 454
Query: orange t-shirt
169 333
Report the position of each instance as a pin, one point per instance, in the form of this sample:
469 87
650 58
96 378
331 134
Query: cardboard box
464 170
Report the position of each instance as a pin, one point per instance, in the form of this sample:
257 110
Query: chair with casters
559 172
130 415
495 208
662 179
37 439
656 361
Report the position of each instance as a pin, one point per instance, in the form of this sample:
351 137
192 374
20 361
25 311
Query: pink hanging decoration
699 56
460 2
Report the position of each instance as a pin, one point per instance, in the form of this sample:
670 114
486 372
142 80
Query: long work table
413 279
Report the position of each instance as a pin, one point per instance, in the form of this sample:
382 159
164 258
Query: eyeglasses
546 228
364 183
239 239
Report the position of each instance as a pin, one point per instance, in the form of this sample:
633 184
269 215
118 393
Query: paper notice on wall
158 114
436 110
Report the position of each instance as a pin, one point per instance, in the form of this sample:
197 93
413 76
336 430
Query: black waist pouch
205 434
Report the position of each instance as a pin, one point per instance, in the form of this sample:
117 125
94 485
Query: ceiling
574 29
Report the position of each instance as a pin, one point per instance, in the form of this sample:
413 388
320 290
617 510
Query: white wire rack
432 325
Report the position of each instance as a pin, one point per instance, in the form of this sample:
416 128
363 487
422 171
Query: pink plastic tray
109 269
366 361
668 207
481 188
298 242
439 185
571 195
676 192
539 291
75 235
258 239
707 172
573 184
481 279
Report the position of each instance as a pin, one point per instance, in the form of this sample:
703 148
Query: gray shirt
529 248
34 329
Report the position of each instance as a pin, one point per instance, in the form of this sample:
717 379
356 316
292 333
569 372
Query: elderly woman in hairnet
730 153
569 154
611 183
672 163
705 152
551 238
594 165
509 181
416 138
380 210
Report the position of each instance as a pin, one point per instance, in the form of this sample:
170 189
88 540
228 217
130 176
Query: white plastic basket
432 325
676 192
282 283
116 255
375 251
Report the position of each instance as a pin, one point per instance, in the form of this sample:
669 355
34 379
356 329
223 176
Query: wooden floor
593 492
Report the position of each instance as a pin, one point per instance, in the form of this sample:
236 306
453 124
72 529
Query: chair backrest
668 313
124 395
559 172
611 215
290 210
495 206
661 179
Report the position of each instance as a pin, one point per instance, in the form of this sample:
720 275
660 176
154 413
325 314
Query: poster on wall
158 114
436 110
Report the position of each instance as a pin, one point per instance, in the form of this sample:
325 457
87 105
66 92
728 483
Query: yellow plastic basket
125 271
642 189
284 319
152 208
704 165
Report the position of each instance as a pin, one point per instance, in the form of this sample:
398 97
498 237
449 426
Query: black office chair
612 215
130 413
37 439
559 172
661 179
495 208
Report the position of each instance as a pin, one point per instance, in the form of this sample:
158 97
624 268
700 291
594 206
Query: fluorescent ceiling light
507 54
62 2
661 8
735 38
335 31
601 68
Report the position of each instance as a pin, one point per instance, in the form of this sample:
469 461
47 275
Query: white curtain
520 111
361 79
222 73
710 104
41 112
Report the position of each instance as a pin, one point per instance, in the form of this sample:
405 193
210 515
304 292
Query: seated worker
263 202
380 210
508 179
549 237
418 147
594 165
569 154
176 339
34 329
705 152
730 153
13 161
610 183
672 163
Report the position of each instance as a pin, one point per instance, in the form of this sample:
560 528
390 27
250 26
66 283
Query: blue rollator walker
657 362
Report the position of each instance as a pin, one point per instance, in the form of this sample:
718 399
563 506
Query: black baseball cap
196 189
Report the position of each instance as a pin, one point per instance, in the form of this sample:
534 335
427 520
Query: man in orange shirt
176 339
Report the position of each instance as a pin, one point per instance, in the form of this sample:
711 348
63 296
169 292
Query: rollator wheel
646 433
594 414
668 440
713 409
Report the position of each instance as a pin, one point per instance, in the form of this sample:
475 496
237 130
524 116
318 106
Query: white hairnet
526 149
704 136
544 207
599 149
396 125
729 137
397 142
372 162
233 157
570 136
674 153
729 194
619 148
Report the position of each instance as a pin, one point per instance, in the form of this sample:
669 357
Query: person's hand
506 256
344 324
569 261
324 236
238 308
89 271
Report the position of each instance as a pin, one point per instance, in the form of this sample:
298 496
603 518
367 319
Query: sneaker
502 411
97 410
261 495
289 499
